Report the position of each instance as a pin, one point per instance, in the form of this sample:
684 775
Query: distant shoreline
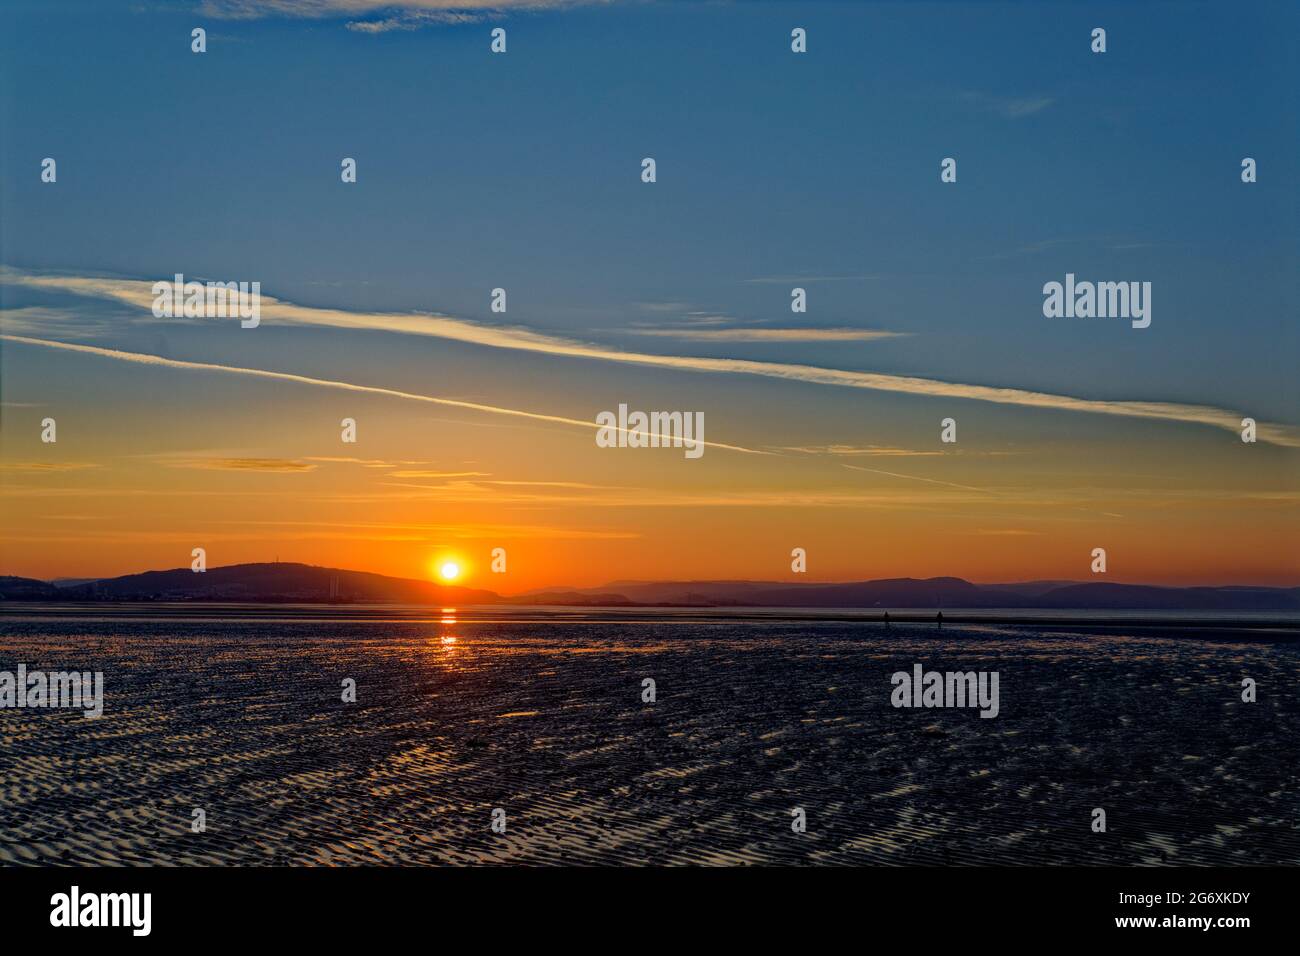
288 584
1251 625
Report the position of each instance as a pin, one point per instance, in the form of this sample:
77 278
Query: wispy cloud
46 466
272 465
887 451
932 481
860 450
770 335
363 462
1114 244
417 12
812 278
546 484
36 320
477 493
156 360
411 21
1008 107
275 311
466 531
416 473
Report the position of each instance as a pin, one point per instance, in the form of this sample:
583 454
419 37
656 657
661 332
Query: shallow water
544 719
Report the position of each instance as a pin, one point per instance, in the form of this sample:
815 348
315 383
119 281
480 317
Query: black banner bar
327 906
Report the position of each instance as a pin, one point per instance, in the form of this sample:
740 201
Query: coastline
1260 625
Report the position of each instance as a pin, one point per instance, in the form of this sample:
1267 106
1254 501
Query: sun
449 570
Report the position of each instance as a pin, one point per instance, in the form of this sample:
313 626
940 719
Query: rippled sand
545 720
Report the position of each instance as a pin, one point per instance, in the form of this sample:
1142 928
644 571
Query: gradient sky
774 170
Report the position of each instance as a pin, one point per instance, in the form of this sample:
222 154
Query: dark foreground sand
244 719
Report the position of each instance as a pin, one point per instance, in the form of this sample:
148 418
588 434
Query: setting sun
449 571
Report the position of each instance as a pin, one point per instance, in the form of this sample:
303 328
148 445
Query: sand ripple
244 720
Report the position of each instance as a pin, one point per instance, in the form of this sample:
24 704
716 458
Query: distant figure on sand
886 620
940 619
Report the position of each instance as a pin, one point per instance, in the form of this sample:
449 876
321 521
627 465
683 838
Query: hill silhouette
272 583
291 582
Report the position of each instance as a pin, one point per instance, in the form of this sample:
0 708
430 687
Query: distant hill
710 593
1125 596
278 583
569 598
27 589
946 593
893 592
1032 588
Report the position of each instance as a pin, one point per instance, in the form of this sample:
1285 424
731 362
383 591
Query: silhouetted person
886 620
940 620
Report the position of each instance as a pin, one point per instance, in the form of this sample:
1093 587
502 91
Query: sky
774 170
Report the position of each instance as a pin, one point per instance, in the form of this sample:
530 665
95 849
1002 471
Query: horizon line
773 583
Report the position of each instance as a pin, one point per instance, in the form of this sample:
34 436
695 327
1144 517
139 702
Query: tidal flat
545 717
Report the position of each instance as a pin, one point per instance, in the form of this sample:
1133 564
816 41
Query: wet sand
543 717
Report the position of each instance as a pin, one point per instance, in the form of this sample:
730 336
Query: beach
239 713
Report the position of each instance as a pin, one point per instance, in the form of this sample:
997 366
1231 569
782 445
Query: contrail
141 358
933 481
137 292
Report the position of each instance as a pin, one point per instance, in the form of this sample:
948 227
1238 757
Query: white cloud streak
769 335
158 361
274 311
327 9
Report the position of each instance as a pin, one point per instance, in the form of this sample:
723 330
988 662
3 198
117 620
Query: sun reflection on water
445 644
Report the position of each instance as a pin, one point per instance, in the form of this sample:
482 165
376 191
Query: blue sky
521 170
774 170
